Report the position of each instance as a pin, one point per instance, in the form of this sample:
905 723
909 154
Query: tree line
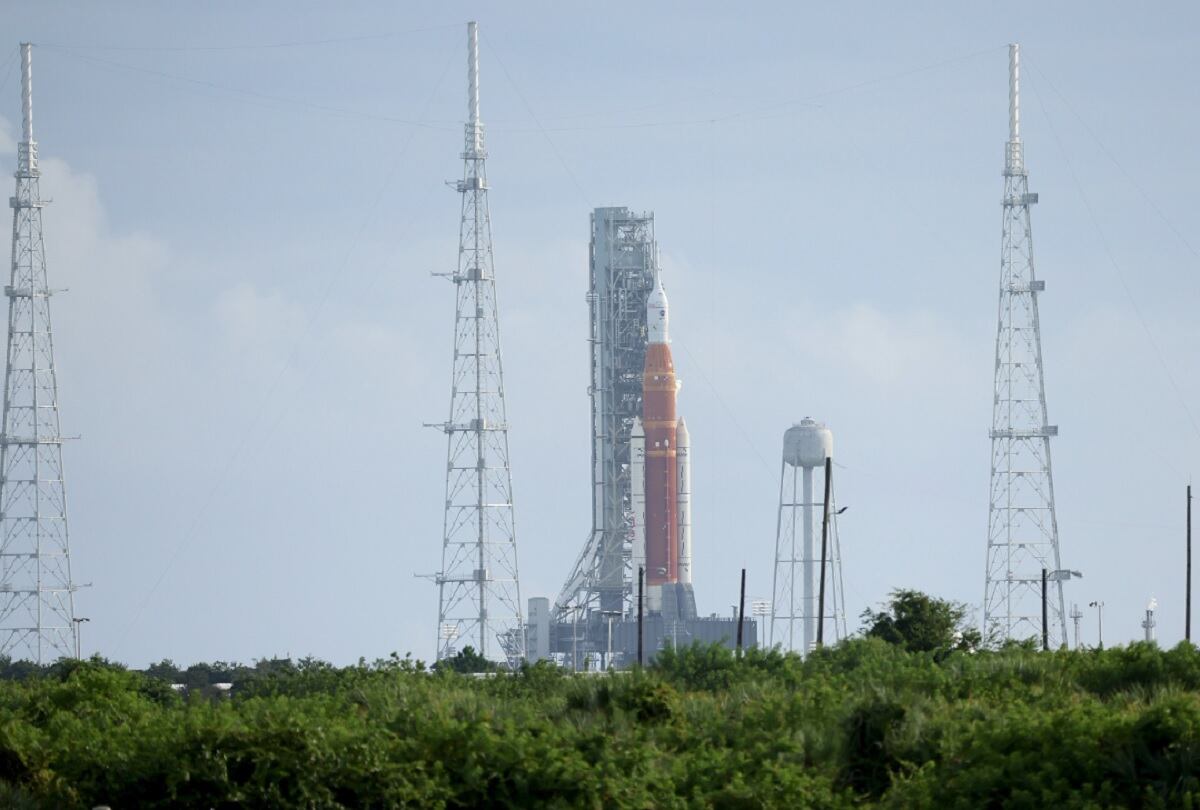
912 713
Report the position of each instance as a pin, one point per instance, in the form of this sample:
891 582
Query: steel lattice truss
37 612
479 595
623 261
1022 526
788 605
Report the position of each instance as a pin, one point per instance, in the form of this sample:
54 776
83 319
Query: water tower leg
810 610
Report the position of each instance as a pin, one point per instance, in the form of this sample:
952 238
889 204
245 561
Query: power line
1108 153
729 412
254 94
750 114
1116 268
10 64
302 43
553 147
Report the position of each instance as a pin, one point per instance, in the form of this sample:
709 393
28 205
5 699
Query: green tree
465 660
919 622
165 670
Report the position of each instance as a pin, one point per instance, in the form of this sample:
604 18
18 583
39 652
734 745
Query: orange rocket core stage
662 477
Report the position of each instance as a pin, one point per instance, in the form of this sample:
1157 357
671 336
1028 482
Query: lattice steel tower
479 599
37 610
1022 527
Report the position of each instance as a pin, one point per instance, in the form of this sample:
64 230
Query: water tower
806 446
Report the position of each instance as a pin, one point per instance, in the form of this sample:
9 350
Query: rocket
637 490
660 474
683 466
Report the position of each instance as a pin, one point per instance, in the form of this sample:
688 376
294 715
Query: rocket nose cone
658 296
681 431
657 311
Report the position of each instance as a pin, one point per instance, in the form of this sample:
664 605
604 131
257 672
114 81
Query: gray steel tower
623 260
479 599
37 605
1022 527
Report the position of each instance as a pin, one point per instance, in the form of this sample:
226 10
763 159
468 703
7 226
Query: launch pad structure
640 473
623 259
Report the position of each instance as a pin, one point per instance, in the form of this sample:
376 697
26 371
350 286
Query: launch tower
1022 525
623 264
641 474
479 600
37 605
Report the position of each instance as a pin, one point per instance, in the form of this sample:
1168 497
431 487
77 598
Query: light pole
78 621
449 632
1059 575
1148 624
575 640
1099 606
610 613
760 608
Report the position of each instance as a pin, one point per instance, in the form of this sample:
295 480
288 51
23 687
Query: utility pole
641 611
1099 606
741 613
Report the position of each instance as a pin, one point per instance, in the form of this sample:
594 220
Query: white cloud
882 350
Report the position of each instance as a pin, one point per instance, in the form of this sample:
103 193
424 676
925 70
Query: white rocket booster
637 488
683 463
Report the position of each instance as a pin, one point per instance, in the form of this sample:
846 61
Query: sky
249 201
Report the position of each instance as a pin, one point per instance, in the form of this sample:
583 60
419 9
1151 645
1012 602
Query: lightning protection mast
1022 526
37 607
479 599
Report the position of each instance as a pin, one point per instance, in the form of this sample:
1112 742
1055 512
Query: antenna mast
37 603
1022 524
479 599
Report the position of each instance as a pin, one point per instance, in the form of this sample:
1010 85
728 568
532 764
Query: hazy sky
249 200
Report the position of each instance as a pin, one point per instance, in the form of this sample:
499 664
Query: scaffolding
623 260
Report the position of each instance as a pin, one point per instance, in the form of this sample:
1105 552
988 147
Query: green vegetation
466 660
868 723
922 623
